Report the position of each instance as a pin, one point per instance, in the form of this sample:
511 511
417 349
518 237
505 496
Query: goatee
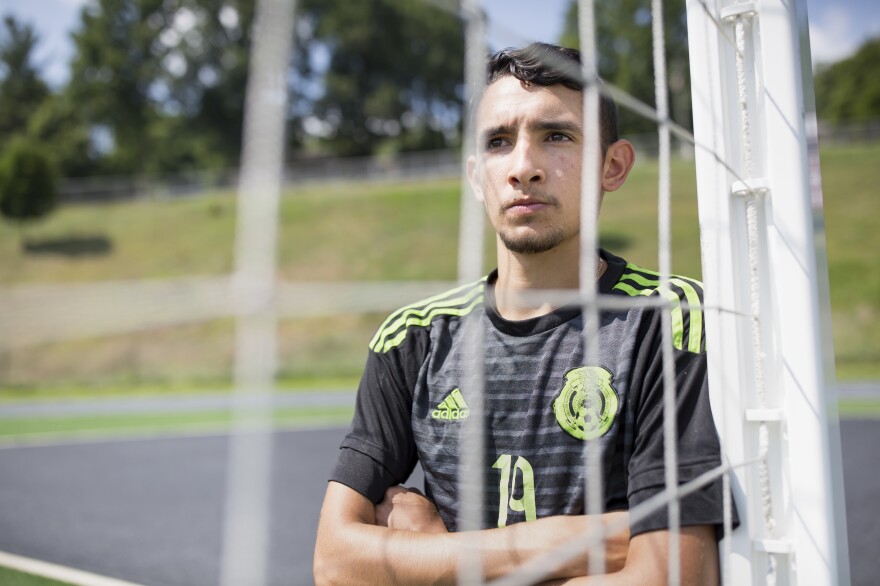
532 243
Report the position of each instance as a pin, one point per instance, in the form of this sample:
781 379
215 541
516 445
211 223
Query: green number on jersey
526 503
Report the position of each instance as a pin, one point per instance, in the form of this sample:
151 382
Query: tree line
846 91
157 86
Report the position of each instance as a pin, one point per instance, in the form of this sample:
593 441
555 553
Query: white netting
31 316
246 529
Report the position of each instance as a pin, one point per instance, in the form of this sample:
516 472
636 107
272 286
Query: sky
837 27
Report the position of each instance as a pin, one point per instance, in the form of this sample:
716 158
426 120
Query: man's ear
619 160
476 186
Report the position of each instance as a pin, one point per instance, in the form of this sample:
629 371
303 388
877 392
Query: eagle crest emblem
587 404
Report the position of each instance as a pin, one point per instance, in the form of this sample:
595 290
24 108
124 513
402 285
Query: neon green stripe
420 304
413 318
459 400
415 321
695 314
689 286
633 267
632 291
422 309
626 289
640 279
675 315
403 316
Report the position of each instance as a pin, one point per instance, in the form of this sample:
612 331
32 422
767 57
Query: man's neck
518 274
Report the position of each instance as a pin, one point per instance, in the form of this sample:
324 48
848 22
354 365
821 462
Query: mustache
531 198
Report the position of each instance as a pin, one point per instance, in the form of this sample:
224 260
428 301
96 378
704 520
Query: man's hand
407 509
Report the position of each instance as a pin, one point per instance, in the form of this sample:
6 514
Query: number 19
526 503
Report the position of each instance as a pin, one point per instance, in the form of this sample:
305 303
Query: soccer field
149 511
347 232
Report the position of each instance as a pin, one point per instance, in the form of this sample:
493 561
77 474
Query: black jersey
541 403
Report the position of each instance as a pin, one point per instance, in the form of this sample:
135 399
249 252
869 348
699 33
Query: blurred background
120 136
120 139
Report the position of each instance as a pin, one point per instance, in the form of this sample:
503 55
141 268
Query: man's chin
531 243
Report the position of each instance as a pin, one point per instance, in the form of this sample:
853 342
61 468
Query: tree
393 78
21 89
27 182
114 75
164 81
625 54
849 90
205 53
59 126
161 83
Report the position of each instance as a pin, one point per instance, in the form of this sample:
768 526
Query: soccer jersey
542 401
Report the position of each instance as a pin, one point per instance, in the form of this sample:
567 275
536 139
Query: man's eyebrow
538 126
556 126
496 130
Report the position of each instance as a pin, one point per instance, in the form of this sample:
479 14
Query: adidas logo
452 407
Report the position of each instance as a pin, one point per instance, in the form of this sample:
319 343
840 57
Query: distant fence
403 166
837 134
849 133
423 165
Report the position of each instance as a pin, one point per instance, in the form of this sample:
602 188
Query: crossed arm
403 541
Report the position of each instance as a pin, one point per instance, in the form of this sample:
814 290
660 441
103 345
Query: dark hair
545 65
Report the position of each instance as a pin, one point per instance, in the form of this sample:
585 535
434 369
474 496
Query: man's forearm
351 549
377 555
647 563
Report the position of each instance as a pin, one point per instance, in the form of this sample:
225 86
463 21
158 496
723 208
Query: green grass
13 395
219 421
116 424
859 409
14 578
350 232
852 213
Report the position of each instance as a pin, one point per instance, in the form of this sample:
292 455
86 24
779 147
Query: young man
542 401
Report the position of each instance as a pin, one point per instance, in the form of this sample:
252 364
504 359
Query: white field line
87 437
166 404
157 431
38 314
57 572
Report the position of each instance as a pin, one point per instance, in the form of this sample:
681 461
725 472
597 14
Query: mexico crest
587 404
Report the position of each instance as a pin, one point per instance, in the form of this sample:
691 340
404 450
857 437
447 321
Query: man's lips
527 205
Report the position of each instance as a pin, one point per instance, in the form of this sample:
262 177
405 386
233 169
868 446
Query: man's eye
558 137
494 143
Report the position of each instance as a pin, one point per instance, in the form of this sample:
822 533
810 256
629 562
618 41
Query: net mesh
33 315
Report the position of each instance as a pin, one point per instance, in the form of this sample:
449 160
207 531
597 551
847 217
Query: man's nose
526 167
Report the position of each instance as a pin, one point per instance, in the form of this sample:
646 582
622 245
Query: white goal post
771 376
771 373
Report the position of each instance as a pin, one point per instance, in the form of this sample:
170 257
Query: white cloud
832 35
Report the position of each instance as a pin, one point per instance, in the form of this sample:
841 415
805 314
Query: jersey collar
536 325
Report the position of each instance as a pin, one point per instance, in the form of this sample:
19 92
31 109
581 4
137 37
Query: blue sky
837 27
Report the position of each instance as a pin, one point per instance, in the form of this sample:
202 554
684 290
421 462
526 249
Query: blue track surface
150 511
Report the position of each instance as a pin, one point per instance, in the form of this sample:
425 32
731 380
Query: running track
150 511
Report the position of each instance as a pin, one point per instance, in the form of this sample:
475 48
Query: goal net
766 298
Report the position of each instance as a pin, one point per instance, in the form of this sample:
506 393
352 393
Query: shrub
28 183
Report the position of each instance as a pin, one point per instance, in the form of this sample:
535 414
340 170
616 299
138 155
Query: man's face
527 169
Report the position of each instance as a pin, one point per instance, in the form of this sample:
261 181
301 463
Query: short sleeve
697 448
379 450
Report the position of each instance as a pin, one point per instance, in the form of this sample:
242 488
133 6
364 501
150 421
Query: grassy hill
351 231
